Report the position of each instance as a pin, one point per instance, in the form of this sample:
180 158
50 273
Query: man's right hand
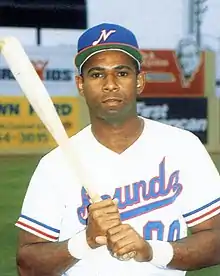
102 216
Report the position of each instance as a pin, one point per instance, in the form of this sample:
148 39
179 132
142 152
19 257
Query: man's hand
102 216
125 243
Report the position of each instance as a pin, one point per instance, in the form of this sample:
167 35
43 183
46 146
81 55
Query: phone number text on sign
21 129
22 137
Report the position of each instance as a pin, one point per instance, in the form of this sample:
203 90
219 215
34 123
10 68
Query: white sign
54 65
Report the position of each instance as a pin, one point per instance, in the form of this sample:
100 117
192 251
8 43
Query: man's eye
122 74
96 75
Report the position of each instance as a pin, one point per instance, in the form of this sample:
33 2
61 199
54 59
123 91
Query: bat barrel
36 93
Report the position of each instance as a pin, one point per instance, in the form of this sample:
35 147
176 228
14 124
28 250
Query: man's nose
110 83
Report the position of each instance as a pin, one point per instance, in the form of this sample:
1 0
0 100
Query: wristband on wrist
78 246
162 253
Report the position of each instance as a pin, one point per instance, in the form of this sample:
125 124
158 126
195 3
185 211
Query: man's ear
141 80
79 84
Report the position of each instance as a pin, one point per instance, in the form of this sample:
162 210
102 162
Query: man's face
110 84
189 59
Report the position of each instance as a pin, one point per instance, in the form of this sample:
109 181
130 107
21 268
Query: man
189 57
156 181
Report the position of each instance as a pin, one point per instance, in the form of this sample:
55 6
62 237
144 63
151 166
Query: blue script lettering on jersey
162 193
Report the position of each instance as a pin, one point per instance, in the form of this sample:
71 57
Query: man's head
188 54
109 63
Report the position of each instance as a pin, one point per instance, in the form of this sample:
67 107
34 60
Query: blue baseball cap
106 36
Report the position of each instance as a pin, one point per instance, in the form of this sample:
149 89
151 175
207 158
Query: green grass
14 176
15 173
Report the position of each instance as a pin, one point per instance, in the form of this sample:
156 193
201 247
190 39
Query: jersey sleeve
201 184
42 206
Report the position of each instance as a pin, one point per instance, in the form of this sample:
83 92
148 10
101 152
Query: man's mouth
112 100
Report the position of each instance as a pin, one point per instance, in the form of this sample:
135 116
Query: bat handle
95 198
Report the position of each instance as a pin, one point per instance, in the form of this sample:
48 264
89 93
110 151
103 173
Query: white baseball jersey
165 182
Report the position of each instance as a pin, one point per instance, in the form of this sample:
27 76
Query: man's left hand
125 243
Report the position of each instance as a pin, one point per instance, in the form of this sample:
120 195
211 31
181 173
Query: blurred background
180 42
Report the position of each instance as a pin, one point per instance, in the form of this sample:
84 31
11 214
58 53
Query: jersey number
158 227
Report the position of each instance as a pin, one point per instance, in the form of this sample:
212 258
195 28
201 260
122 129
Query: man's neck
117 137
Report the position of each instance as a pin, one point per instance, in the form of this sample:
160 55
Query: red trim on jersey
204 215
36 230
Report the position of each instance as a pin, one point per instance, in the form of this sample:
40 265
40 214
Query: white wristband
78 246
162 253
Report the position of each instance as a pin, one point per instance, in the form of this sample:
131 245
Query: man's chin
116 113
114 116
113 111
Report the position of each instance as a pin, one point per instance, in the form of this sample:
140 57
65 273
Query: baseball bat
37 95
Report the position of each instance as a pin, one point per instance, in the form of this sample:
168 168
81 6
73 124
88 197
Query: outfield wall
168 96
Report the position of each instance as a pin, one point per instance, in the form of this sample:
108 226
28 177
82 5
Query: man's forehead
110 67
109 59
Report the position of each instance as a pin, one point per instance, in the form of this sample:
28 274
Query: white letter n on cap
104 35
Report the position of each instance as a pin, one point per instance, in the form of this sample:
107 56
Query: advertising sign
54 66
186 113
173 74
21 129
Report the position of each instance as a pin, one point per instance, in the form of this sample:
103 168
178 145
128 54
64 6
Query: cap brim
85 54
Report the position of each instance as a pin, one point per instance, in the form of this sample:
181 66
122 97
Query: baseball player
156 182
